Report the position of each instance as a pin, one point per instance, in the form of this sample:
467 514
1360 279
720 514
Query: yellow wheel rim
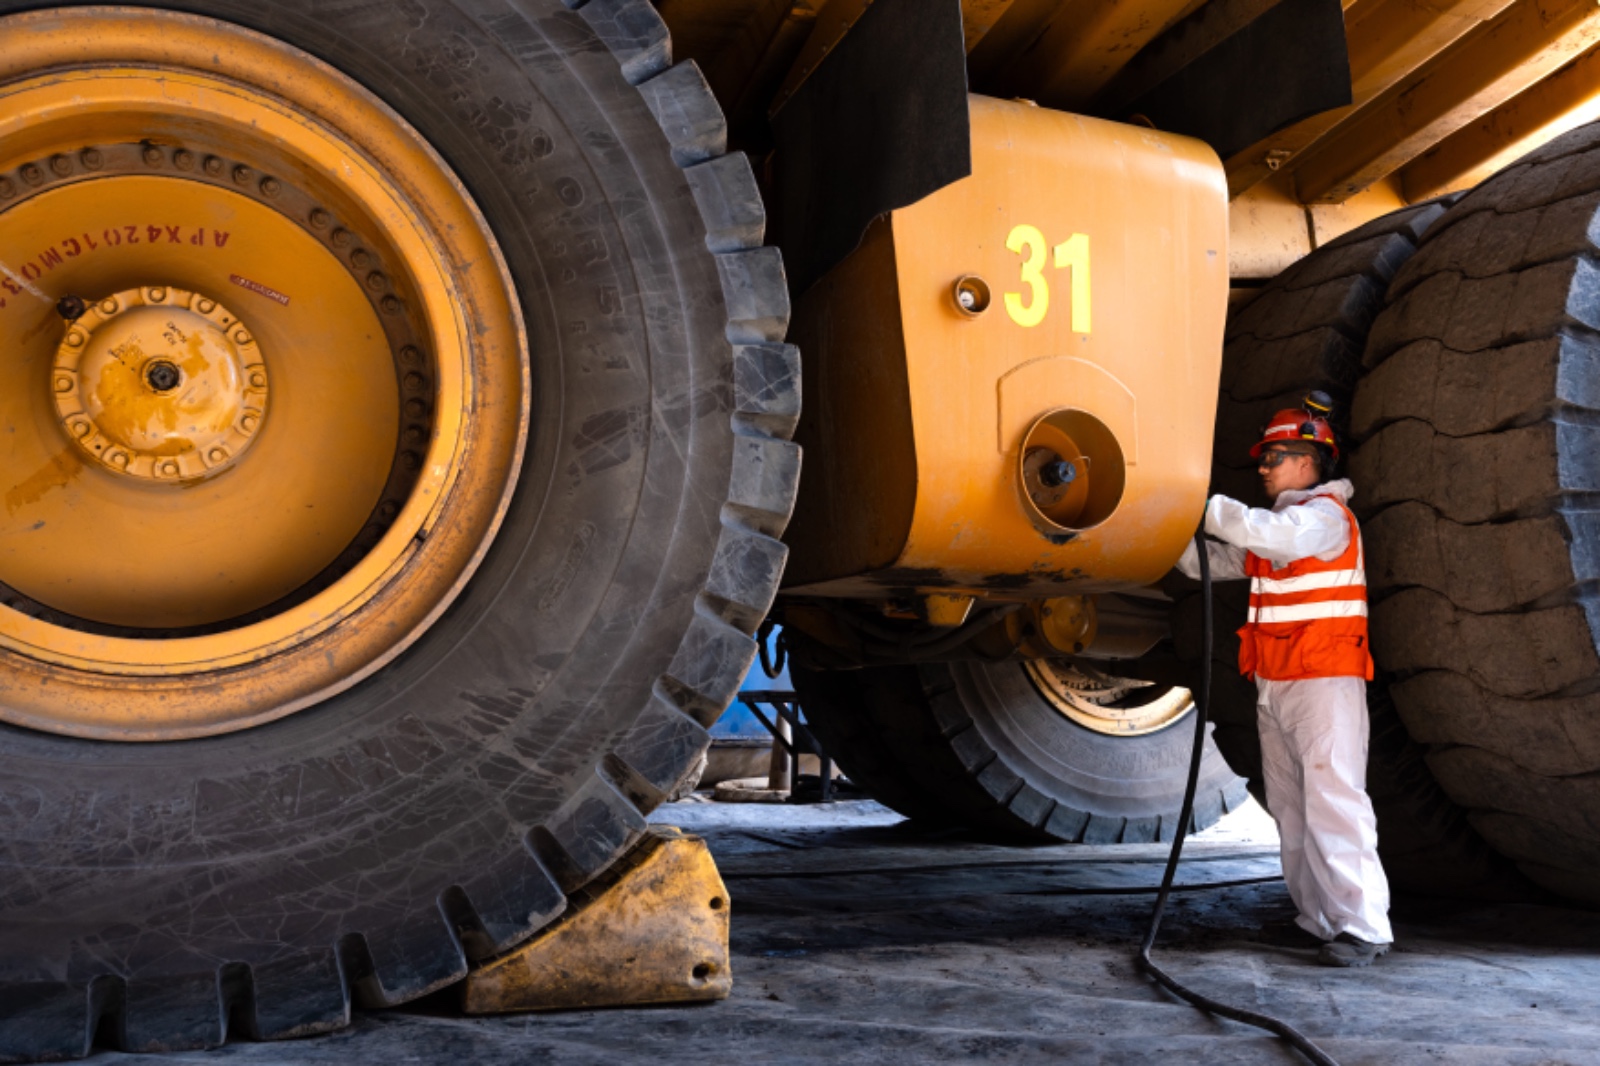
266 389
1111 705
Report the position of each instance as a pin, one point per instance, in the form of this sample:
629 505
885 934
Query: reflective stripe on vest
1308 618
1301 612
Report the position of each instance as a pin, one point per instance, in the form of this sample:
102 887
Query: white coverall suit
1313 731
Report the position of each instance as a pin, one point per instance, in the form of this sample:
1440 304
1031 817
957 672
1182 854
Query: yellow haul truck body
403 406
921 427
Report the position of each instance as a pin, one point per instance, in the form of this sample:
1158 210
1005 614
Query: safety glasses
1271 458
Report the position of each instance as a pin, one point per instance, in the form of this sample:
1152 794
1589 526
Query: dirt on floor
858 939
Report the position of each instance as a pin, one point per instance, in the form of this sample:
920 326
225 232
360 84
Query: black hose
1202 705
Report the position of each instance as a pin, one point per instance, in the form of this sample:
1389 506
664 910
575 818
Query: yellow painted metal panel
1140 357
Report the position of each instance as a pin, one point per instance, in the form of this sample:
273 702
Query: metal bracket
652 930
787 707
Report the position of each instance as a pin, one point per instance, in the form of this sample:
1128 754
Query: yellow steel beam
1388 39
1268 231
1075 47
979 16
1563 101
832 23
1219 21
705 29
763 67
1526 42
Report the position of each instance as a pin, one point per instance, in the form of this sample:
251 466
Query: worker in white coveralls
1305 643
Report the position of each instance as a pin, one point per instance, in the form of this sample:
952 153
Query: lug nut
71 307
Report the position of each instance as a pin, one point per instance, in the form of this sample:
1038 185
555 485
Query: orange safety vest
1309 618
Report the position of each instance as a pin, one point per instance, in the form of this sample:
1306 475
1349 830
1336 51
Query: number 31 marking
1071 254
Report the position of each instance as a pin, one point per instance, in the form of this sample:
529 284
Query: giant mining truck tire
227 809
978 746
1480 458
1307 330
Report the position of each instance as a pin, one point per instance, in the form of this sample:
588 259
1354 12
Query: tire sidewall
1135 777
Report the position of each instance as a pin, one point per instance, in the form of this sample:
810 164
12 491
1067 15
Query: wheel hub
1114 706
287 549
161 384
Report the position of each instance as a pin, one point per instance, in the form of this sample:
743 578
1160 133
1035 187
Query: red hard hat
1296 423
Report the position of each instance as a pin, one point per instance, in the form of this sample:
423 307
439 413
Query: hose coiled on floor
1202 704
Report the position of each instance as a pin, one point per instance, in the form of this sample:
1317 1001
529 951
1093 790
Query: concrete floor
856 939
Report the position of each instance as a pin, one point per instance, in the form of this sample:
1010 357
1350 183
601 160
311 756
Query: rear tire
975 745
1478 451
442 810
1305 331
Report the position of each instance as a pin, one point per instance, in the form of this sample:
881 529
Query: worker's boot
1350 950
